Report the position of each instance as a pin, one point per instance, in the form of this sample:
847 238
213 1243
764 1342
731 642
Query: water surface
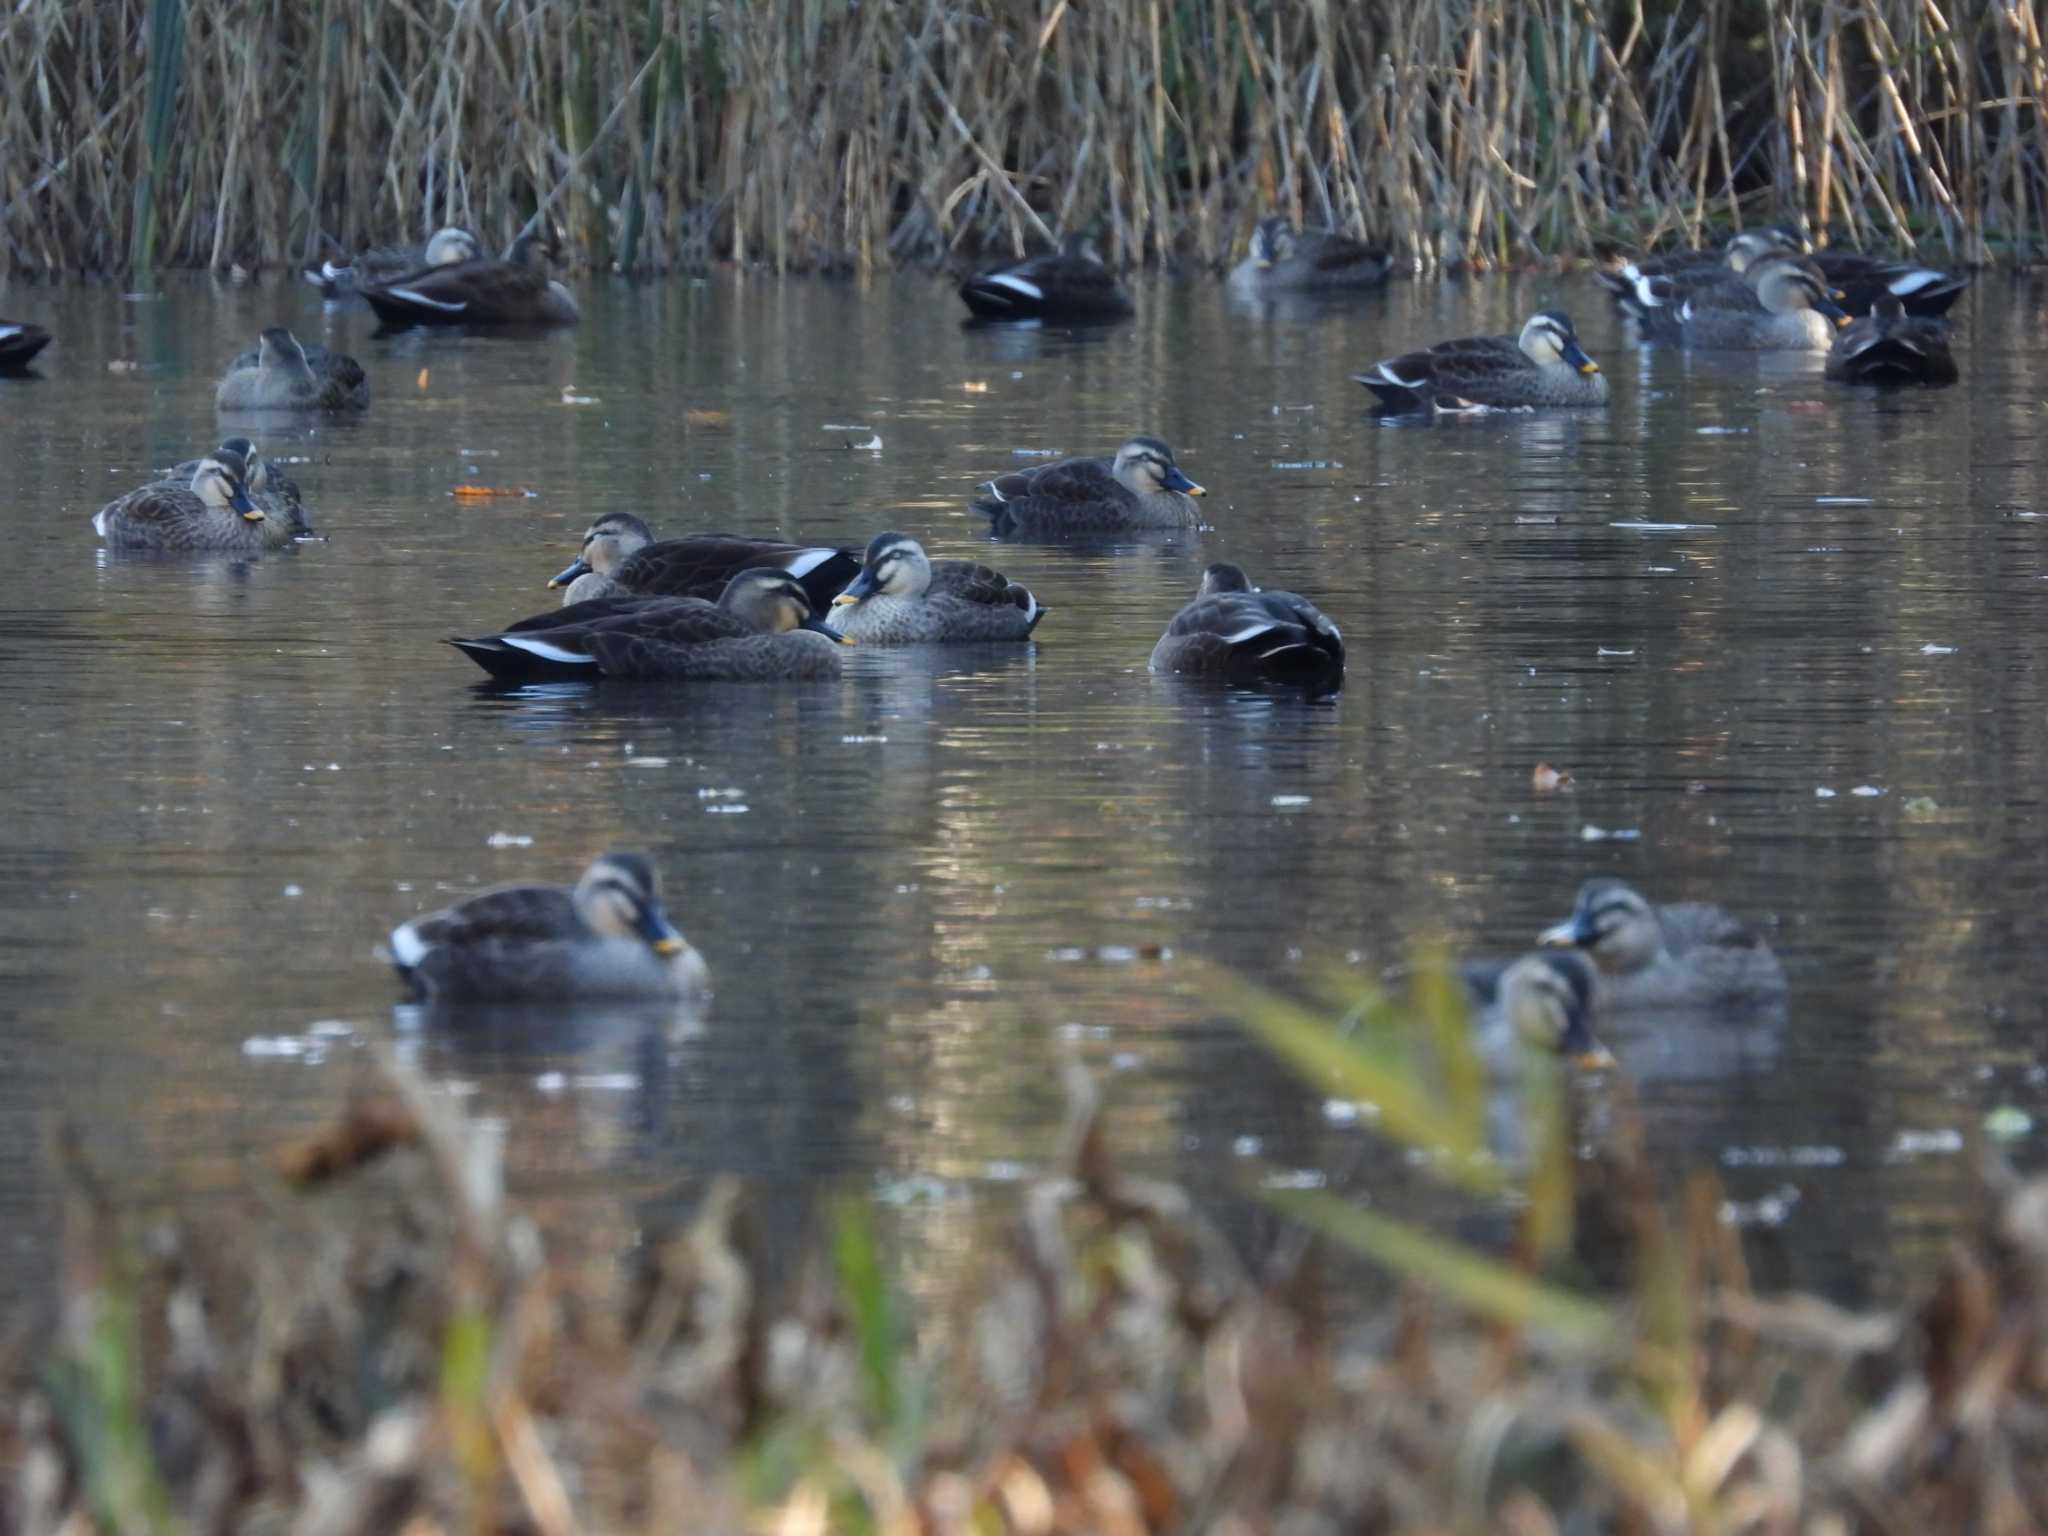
1820 702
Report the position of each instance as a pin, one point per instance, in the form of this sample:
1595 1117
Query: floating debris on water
1843 501
1720 431
863 741
1642 527
1592 834
1783 1157
1822 792
1545 779
1910 1144
1289 802
1307 464
1866 791
2007 1123
1606 651
509 840
1931 649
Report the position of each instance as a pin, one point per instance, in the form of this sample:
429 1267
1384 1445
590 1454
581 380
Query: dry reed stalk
663 133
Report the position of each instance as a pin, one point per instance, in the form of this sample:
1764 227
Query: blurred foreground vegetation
372 1339
672 133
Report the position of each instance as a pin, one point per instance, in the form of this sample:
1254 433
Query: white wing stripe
414 296
1016 284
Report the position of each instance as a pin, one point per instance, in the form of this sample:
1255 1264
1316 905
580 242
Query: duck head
1548 338
619 895
773 602
278 348
451 245
1145 466
1547 1000
1221 578
1613 924
1786 284
1754 245
1272 241
606 544
219 486
895 565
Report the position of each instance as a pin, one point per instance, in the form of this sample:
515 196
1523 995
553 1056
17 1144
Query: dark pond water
921 889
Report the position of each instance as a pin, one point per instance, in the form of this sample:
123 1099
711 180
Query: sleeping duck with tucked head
1688 955
275 494
760 630
1542 1001
1542 366
620 555
212 513
903 597
1284 258
479 291
281 374
606 938
1234 631
1141 487
1070 284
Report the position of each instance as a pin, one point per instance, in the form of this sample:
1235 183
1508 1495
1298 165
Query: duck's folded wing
572 614
1069 480
523 914
974 583
1689 925
1336 253
1072 277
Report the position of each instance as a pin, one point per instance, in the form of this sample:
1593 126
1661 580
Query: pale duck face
606 546
1549 340
1144 465
894 565
620 897
774 603
220 488
1613 924
1548 1000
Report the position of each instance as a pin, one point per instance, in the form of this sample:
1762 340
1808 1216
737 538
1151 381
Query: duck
1283 257
760 630
619 555
1783 304
210 514
19 344
282 374
1543 1000
1234 631
1863 281
387 263
902 597
1624 276
479 291
606 938
278 496
1141 487
1543 366
1692 954
1892 346
1070 284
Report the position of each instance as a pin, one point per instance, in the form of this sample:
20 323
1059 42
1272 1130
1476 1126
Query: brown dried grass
668 133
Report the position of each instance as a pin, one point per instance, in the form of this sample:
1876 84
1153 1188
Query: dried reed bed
663 133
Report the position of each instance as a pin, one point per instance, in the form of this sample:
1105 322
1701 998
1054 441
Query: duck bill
239 500
861 586
659 932
1176 481
1569 934
1576 356
820 627
1593 1057
1833 311
562 579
